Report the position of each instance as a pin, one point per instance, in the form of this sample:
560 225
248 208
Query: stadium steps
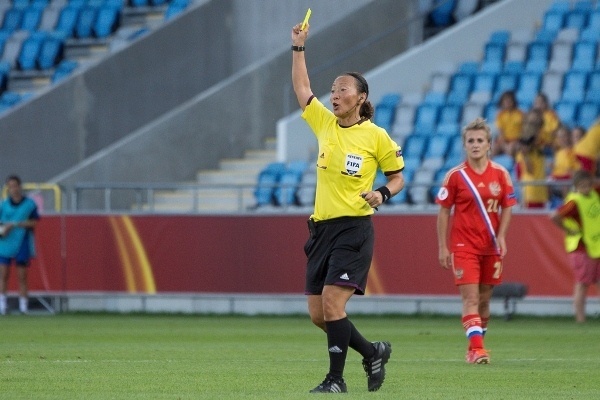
212 194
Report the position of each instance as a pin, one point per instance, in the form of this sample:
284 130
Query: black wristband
297 48
385 193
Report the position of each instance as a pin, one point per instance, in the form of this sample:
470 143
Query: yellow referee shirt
347 162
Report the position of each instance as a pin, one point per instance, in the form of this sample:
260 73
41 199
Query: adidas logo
335 349
345 277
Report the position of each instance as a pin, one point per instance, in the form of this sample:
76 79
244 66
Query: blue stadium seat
12 19
411 163
500 36
267 181
139 3
85 22
448 129
528 86
67 20
484 82
574 86
494 52
438 179
434 98
469 67
537 66
63 70
567 112
587 113
514 67
491 67
450 114
561 6
590 34
593 86
455 149
576 19
594 21
441 13
437 146
426 118
545 36
176 7
31 18
285 192
414 146
461 85
29 51
390 99
553 20
453 160
584 5
506 160
505 82
584 56
51 52
538 50
107 22
384 116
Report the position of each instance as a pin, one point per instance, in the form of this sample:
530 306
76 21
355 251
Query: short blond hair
478 124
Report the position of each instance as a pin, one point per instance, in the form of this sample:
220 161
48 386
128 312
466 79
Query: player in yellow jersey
340 247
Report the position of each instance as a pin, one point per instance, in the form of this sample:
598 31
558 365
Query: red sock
472 325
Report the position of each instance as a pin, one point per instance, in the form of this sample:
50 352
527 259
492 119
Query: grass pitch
100 356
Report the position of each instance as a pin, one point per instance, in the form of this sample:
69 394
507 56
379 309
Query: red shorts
586 269
474 268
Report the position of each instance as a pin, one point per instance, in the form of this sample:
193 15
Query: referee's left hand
374 198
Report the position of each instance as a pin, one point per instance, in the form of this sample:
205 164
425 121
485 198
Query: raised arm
299 72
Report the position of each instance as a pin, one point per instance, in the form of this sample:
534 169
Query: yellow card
306 19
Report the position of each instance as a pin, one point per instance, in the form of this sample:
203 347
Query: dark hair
14 178
580 176
510 94
366 108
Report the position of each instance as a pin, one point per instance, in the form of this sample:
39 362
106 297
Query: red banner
264 254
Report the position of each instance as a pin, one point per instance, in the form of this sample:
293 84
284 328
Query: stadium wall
212 263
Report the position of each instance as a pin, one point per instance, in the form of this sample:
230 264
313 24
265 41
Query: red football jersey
470 230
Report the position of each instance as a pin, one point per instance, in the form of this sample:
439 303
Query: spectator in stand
588 148
509 121
530 163
551 123
580 219
577 133
564 164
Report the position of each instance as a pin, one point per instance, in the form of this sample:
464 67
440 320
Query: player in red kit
481 193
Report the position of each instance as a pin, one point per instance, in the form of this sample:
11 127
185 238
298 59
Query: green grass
99 356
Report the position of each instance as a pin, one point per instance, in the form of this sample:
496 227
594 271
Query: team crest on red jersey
459 273
495 188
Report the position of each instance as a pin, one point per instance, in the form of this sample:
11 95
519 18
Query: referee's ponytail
366 109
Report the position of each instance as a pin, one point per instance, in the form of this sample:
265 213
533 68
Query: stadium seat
574 86
51 52
538 50
411 163
384 116
594 21
567 35
514 67
500 36
415 146
49 18
584 56
426 118
267 181
285 192
85 22
584 5
507 161
448 129
469 68
450 114
460 87
31 19
419 191
67 20
438 179
139 3
536 66
528 87
553 20
12 19
494 52
567 112
505 82
492 66
176 7
441 12
106 22
455 150
484 82
63 70
587 113
12 47
545 36
590 35
562 50
437 146
576 19
437 99
470 112
30 51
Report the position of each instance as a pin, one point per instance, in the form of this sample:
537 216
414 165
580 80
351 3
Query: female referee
340 247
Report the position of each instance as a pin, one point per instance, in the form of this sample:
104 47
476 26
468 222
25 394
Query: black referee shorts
339 252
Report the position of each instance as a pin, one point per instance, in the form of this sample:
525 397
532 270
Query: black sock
338 337
359 343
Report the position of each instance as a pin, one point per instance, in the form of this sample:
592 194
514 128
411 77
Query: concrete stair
228 189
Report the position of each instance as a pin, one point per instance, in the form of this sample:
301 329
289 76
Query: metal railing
174 198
